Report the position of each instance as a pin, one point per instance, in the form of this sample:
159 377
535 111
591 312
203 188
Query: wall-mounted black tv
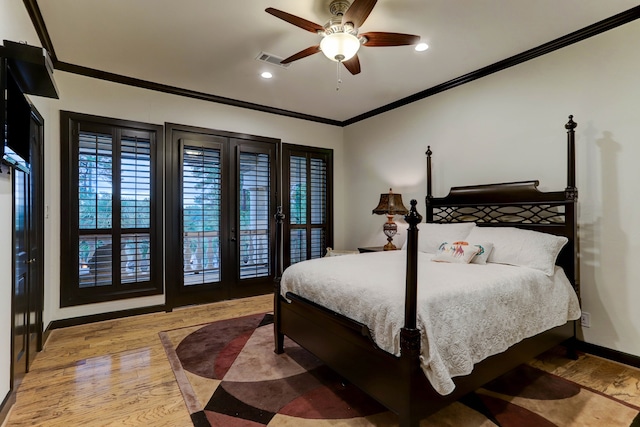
18 121
24 69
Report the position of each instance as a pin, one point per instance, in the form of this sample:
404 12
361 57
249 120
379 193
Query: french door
221 201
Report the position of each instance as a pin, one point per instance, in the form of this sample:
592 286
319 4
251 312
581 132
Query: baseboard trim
6 405
83 320
607 353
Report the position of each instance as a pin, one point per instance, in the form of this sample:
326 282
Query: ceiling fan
341 41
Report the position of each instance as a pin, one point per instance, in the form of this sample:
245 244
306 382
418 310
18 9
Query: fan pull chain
339 82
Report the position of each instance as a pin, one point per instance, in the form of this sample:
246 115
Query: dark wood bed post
429 189
279 336
571 158
571 194
413 218
410 334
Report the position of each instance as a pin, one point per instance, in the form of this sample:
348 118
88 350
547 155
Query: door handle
30 261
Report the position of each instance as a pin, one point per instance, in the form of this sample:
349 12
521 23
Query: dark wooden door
28 262
35 226
20 303
221 242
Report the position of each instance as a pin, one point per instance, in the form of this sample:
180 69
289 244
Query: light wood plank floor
115 373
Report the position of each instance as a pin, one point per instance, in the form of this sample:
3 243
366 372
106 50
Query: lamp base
390 229
389 246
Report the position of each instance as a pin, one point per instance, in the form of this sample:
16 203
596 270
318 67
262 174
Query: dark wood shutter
307 182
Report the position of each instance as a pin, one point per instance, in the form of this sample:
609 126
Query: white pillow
431 235
457 252
516 246
484 249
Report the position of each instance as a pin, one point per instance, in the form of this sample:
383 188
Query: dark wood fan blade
295 20
353 65
358 12
302 54
389 39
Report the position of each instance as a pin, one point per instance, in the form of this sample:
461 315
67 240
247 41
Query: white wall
509 127
91 96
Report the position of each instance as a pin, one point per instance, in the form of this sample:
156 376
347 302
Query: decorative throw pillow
456 252
485 249
516 246
431 235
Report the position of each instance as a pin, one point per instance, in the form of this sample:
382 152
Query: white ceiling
211 46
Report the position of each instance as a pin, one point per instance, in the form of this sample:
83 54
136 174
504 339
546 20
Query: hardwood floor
116 373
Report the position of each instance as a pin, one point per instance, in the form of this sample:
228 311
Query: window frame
71 294
325 154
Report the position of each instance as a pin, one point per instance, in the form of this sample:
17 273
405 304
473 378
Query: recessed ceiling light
266 75
421 47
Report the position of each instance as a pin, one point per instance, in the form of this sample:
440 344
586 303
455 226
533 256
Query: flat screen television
17 126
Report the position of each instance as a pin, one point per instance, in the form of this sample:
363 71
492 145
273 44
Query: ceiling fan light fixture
340 47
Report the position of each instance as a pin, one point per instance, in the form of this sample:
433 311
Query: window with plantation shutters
307 181
110 227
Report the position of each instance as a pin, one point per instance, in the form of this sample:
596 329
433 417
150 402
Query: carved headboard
517 204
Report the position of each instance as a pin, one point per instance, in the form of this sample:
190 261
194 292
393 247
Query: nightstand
371 249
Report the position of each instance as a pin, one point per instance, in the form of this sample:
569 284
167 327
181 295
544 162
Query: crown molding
579 35
145 84
559 43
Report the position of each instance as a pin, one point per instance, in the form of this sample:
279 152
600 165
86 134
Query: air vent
272 59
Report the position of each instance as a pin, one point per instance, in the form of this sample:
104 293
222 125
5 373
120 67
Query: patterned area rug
230 377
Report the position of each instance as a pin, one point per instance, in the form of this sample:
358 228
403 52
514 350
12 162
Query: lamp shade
390 204
340 46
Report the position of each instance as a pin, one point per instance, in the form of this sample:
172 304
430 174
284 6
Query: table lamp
390 204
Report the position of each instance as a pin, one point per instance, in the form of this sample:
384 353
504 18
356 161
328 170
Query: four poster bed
417 361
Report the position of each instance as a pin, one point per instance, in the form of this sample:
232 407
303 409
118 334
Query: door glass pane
298 245
20 242
254 215
298 190
201 191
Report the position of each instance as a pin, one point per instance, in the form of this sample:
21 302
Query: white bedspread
465 312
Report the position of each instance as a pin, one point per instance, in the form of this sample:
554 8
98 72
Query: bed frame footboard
398 383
